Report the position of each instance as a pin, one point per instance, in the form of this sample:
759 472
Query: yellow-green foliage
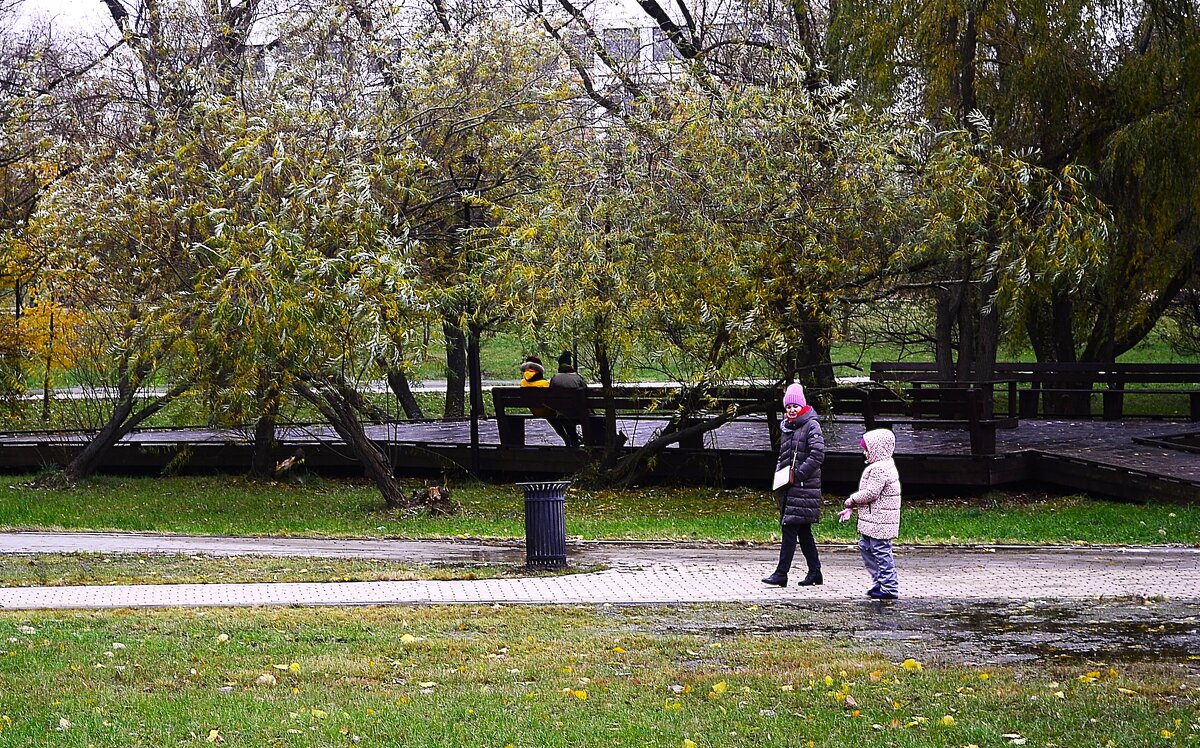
714 224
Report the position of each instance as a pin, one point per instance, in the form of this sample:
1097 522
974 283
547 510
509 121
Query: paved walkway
637 573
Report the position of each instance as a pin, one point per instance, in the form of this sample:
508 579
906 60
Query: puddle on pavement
993 632
1114 632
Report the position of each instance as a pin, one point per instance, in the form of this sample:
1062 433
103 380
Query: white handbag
783 478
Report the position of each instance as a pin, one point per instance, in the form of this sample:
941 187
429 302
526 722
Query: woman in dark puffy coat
802 446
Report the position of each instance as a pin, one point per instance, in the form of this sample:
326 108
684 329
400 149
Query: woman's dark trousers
787 549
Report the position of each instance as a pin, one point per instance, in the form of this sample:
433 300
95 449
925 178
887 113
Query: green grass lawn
493 677
224 505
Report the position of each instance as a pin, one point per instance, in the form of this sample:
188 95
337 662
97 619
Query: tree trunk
965 312
944 334
262 459
1063 326
1105 345
474 374
122 421
966 62
813 360
987 334
398 382
333 400
803 17
1039 327
476 393
46 397
612 441
456 369
86 462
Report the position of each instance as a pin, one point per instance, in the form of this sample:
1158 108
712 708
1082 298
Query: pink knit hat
794 395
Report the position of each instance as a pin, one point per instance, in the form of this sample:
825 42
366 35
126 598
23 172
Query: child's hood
880 444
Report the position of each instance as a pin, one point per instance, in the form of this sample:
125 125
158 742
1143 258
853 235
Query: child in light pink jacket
878 503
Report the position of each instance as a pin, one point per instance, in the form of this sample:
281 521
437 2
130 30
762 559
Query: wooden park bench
1067 389
512 406
932 404
1112 382
588 407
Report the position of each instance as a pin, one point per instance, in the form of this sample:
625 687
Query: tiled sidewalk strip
638 573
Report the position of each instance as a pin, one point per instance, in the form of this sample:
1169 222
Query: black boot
811 578
777 579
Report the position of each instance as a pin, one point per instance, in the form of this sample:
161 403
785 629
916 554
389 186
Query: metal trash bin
545 524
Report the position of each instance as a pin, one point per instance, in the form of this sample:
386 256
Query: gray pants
877 557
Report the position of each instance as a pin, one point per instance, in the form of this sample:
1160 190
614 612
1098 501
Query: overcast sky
72 14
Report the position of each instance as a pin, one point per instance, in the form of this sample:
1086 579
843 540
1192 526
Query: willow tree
109 230
114 255
479 95
39 73
21 144
712 231
1107 85
990 235
301 265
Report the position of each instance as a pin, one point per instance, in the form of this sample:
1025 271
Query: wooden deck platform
1134 460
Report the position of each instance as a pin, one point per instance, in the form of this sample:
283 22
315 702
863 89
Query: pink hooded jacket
878 496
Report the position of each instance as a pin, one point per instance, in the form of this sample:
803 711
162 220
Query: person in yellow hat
533 374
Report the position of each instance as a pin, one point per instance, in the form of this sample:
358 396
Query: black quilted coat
800 503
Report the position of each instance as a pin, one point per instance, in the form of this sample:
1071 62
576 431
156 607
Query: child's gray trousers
877 557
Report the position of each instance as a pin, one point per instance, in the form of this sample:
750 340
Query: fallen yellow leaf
911 664
719 688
